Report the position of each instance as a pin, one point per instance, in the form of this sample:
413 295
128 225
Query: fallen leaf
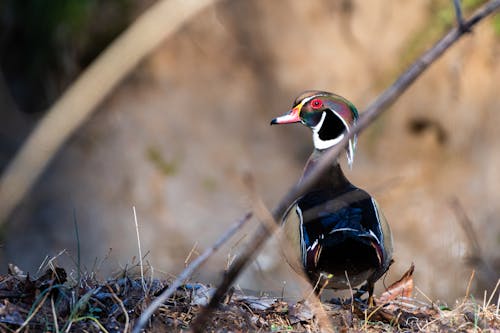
300 312
258 303
401 288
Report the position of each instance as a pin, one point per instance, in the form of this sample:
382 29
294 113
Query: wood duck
340 234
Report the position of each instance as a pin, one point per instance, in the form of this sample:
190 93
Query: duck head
328 115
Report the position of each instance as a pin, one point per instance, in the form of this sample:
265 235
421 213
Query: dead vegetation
53 302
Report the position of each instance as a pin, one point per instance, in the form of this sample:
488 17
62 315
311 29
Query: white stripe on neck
324 144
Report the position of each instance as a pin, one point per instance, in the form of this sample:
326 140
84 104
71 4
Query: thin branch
78 102
475 258
54 315
35 310
78 249
122 306
143 282
459 15
386 99
263 214
187 272
466 224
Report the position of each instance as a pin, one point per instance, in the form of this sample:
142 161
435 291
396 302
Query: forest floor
52 303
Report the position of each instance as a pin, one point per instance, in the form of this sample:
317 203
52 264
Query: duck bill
291 117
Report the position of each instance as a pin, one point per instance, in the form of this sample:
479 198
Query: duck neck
333 177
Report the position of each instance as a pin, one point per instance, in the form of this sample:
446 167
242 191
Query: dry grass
51 303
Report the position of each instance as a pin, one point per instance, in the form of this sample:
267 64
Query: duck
338 232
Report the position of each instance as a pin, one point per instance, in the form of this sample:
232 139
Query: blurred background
178 136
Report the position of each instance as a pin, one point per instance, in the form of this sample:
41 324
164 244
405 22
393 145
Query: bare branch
264 215
386 99
268 221
466 224
459 15
186 273
475 258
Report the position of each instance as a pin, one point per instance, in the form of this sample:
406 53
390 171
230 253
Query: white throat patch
324 144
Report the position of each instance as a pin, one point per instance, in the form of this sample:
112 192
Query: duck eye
316 103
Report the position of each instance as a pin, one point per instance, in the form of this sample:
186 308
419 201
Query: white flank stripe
342 229
302 243
375 207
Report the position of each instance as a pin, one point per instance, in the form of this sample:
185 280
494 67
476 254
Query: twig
266 228
35 310
143 282
190 254
350 290
78 102
56 325
458 12
367 318
42 264
265 216
467 291
122 306
387 98
466 224
98 324
78 249
315 286
498 305
476 258
80 305
492 294
459 16
187 272
484 298
426 297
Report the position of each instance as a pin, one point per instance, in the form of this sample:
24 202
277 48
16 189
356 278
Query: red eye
316 103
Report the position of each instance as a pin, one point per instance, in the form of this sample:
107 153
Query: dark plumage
337 228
